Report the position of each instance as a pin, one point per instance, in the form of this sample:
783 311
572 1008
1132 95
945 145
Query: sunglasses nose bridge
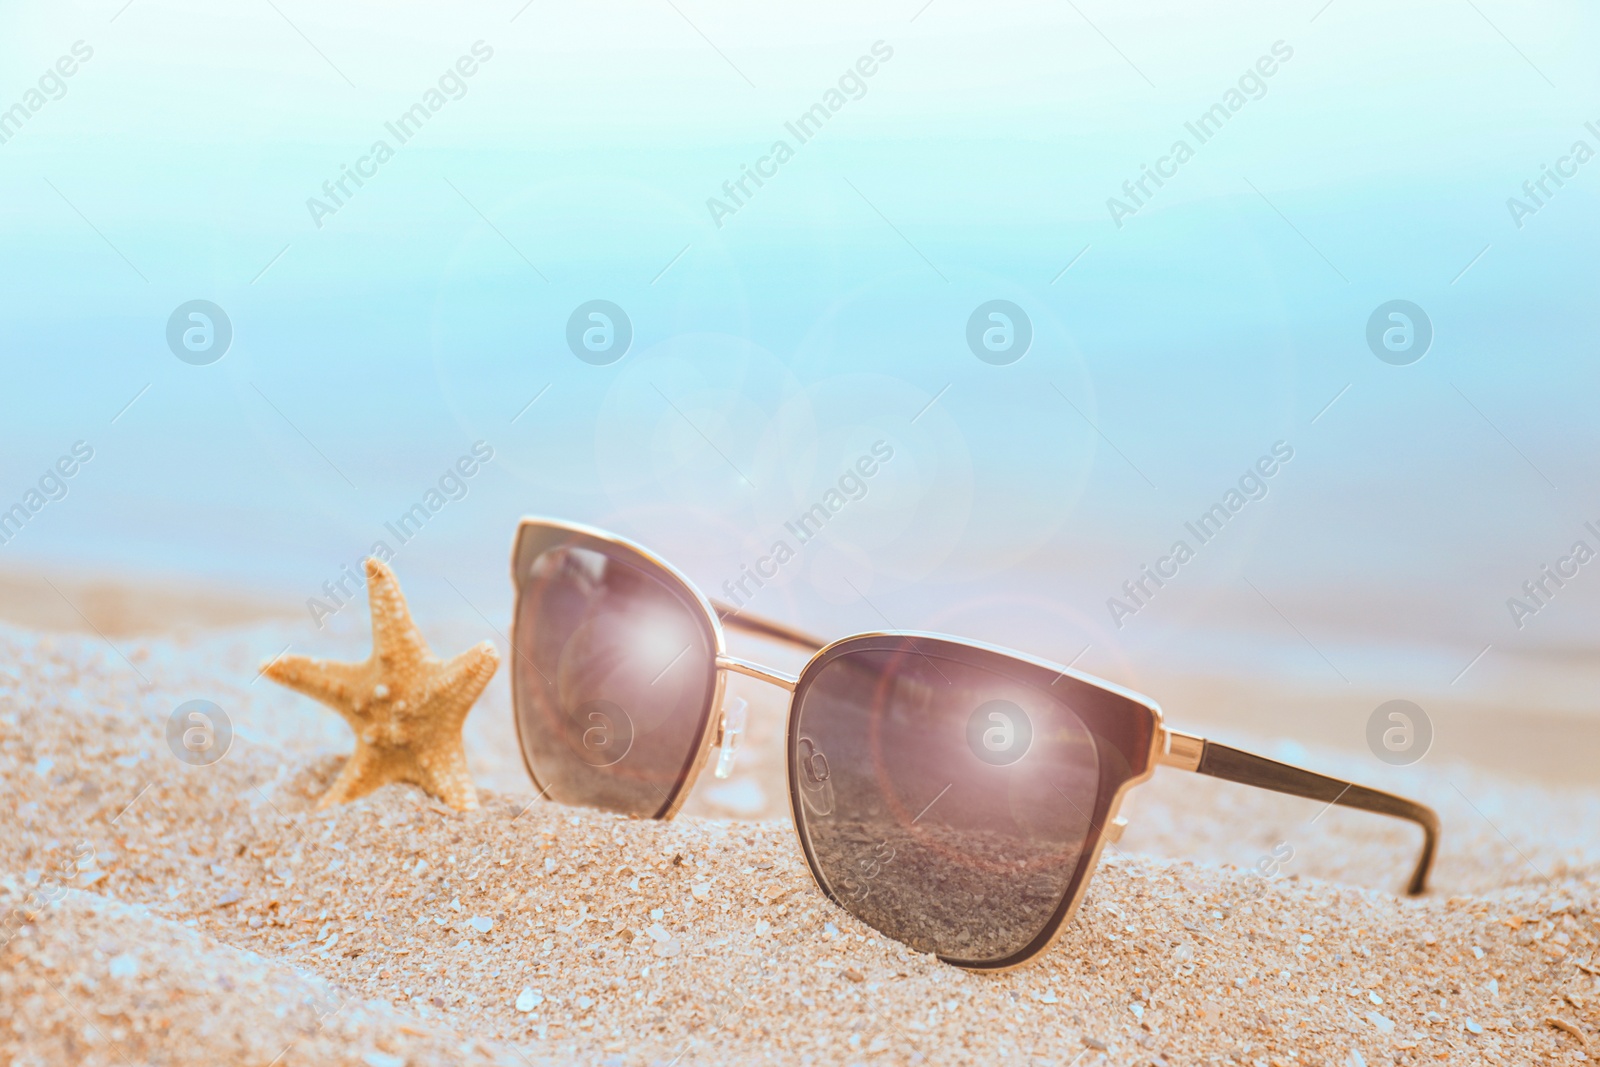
755 670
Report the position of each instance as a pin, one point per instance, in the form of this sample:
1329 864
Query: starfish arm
458 683
338 685
442 772
361 774
395 638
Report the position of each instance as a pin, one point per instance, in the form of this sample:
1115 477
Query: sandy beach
170 914
1235 354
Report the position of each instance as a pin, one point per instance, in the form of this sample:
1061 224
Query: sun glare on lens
659 642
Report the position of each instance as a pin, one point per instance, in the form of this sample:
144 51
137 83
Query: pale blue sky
770 351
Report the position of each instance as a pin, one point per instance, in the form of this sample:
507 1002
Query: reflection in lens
816 789
960 800
614 674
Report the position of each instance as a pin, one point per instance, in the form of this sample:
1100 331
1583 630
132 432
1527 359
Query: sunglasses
952 795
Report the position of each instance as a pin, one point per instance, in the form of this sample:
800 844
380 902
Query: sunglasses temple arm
1233 765
736 619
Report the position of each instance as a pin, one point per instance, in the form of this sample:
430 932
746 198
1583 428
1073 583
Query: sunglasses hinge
1181 750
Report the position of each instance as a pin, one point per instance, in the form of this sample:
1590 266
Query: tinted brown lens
941 802
614 674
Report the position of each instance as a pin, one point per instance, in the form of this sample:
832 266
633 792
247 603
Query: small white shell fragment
481 923
527 1000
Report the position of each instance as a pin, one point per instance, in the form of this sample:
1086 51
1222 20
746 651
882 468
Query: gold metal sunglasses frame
1167 747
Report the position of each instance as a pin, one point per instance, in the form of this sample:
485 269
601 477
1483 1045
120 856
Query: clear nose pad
731 732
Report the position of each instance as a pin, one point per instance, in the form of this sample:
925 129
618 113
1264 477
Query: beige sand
210 915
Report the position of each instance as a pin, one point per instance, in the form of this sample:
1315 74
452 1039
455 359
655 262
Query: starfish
405 706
